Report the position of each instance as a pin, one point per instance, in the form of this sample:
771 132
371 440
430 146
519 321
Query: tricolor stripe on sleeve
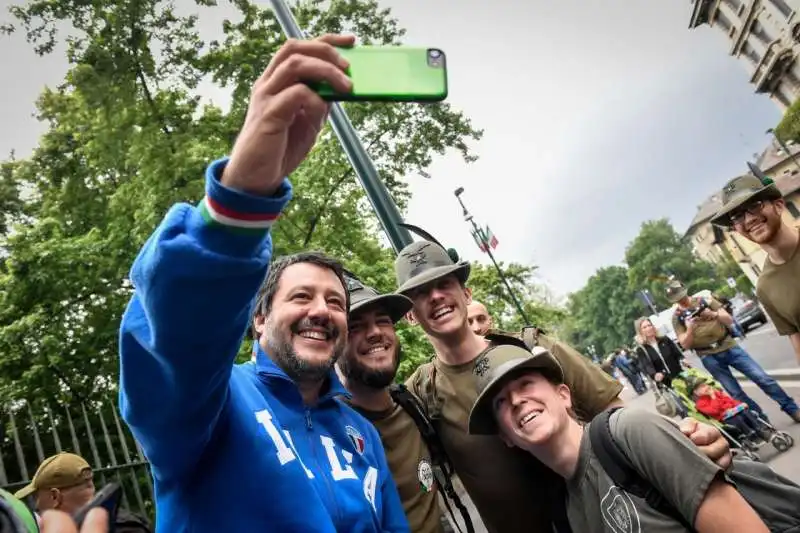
215 213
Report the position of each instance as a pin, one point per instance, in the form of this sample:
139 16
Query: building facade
712 244
764 35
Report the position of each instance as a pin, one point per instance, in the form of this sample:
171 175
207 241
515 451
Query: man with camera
704 326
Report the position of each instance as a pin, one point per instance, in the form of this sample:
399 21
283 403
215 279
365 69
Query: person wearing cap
754 208
369 367
64 482
524 400
254 447
703 326
510 491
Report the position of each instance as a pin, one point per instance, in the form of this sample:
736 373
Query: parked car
747 312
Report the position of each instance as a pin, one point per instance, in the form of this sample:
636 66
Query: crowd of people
494 433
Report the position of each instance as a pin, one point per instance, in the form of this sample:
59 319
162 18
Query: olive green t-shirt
778 289
410 464
511 490
659 451
706 332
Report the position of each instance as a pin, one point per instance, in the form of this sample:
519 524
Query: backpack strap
622 472
442 467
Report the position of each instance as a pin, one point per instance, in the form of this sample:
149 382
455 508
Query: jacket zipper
325 472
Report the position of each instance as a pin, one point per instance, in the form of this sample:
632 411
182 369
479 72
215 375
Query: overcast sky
597 117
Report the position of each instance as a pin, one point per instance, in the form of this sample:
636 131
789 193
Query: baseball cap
59 471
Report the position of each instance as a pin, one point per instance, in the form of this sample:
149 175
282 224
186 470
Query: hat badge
418 257
729 188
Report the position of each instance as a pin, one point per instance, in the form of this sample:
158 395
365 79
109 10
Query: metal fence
35 431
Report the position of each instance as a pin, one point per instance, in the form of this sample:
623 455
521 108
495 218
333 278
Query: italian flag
485 239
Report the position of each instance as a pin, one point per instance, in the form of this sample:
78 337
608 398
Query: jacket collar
265 366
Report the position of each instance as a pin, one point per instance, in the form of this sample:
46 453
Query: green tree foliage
659 252
127 137
603 311
788 129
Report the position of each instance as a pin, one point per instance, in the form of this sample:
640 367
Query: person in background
480 321
523 399
660 357
719 406
623 362
703 326
754 209
65 482
264 446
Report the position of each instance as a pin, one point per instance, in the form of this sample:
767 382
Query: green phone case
392 74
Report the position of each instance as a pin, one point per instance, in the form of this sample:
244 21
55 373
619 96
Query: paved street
787 463
768 348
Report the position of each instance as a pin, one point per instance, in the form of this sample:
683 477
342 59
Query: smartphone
392 74
109 498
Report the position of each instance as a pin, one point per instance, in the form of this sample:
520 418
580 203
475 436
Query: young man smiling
368 367
523 399
511 491
754 209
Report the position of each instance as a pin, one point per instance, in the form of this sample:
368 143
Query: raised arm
196 278
195 281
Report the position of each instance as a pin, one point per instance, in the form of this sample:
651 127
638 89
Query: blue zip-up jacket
233 448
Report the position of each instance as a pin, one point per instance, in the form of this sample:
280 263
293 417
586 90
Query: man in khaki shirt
368 369
754 208
703 326
510 489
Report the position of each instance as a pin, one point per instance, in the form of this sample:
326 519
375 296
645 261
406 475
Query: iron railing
34 432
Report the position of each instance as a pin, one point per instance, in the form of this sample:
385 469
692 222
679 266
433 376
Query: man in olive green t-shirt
703 326
510 489
754 208
368 368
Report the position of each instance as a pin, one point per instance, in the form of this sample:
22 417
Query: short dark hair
270 286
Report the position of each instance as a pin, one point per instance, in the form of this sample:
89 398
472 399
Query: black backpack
442 467
622 472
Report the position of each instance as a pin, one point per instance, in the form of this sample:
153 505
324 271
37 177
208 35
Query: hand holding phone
109 498
391 74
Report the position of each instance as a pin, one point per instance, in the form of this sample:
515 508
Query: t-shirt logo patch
425 475
357 439
619 512
481 366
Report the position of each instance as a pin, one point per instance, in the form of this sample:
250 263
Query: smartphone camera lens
435 58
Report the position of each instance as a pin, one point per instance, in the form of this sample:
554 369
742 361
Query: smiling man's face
305 331
440 306
530 410
373 350
758 221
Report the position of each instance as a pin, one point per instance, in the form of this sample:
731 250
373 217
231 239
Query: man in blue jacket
266 446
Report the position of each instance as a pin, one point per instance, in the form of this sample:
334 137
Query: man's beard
374 378
279 348
772 224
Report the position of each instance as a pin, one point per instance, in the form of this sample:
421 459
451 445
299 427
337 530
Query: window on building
792 209
783 7
734 4
750 53
757 30
722 20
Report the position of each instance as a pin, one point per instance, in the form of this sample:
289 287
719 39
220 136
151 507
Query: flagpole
479 232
